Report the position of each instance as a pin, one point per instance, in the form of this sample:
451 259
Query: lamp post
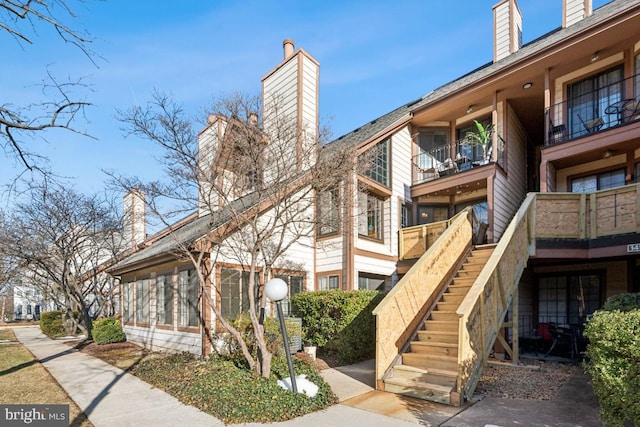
276 290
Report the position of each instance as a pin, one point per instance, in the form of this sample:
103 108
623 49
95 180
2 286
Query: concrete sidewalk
111 397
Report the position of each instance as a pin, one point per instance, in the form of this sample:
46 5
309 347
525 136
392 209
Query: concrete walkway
111 397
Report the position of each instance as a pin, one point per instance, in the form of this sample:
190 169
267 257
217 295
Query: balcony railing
592 112
450 159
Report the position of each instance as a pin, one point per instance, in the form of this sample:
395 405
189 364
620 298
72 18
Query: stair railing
485 305
398 315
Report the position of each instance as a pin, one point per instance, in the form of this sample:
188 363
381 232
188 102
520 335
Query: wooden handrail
400 312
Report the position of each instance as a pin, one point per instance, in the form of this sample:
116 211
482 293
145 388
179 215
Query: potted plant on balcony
482 137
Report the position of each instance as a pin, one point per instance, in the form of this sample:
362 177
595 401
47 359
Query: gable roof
392 120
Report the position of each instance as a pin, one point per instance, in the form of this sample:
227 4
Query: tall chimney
575 10
288 48
135 220
507 27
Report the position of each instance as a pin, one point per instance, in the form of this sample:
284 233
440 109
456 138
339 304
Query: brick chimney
575 10
507 29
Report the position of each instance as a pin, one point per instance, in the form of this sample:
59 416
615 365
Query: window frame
380 164
241 297
329 219
328 277
372 218
128 302
142 304
188 288
287 276
598 177
161 315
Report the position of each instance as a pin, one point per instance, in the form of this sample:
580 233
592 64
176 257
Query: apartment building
499 209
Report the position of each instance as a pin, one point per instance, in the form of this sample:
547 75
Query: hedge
107 331
51 324
339 321
613 360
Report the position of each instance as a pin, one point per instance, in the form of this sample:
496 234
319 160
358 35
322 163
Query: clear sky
374 56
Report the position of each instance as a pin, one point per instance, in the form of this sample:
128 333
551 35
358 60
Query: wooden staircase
429 369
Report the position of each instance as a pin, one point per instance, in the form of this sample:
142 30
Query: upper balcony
460 156
592 111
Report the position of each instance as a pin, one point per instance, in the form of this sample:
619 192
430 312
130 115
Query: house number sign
633 247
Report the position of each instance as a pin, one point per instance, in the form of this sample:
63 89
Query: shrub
613 360
622 302
107 331
51 324
339 321
243 324
234 395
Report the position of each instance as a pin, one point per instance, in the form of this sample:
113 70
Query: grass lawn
24 380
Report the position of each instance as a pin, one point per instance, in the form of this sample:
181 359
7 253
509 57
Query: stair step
435 348
453 297
438 336
441 325
430 361
444 315
447 306
420 390
436 376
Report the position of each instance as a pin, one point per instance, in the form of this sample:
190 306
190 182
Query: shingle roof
378 125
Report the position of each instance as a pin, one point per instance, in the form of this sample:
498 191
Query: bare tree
257 177
62 241
61 107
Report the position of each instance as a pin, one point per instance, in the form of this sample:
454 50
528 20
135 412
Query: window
142 301
432 213
327 283
370 220
568 299
375 282
187 298
602 181
377 166
328 212
164 292
234 288
295 283
406 215
127 299
589 98
480 213
433 147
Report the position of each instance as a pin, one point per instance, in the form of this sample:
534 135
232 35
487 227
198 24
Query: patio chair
564 336
557 133
632 111
592 125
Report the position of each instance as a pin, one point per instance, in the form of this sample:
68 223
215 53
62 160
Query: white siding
329 254
162 339
501 19
574 11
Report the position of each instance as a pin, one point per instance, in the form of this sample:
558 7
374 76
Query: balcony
610 106
458 157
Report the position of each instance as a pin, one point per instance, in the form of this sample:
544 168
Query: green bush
613 360
242 323
622 302
51 324
339 321
107 331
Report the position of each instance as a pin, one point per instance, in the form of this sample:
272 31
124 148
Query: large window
164 292
377 163
601 181
142 301
370 218
127 302
470 148
327 283
234 287
328 212
568 299
589 98
406 215
295 283
369 281
433 147
187 298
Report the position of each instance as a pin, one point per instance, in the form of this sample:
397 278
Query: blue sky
374 56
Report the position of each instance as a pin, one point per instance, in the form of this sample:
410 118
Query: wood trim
375 255
320 274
